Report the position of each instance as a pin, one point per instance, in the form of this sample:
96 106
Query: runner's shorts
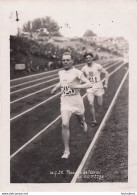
73 103
97 89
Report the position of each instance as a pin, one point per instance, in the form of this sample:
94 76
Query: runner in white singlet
71 100
92 71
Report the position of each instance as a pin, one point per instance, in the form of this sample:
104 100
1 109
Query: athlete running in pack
71 100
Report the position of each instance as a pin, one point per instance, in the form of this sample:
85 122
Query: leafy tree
89 33
47 22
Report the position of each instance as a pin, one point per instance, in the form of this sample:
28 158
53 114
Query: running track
36 124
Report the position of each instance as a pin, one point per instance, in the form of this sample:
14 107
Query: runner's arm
84 75
87 83
55 88
106 77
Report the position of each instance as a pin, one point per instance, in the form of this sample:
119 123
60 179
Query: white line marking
32 108
114 71
33 75
53 71
33 81
47 88
32 94
34 84
39 133
36 79
34 137
74 179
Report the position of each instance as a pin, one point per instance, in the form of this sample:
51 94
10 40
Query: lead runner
71 100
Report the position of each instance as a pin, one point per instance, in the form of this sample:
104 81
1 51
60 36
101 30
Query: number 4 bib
93 79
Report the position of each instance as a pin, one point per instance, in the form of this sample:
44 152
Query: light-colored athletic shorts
73 103
97 89
96 92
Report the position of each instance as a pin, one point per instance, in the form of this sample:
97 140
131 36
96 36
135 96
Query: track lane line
32 94
35 80
50 72
38 105
39 79
77 173
33 75
35 137
22 89
32 108
49 125
48 88
34 85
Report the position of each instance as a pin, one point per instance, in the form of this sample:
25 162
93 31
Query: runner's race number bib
66 90
93 79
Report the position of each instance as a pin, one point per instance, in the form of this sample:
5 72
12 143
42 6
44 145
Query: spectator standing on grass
71 100
92 71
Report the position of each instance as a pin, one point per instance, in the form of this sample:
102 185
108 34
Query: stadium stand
43 56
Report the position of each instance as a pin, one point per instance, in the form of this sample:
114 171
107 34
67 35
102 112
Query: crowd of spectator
114 45
28 51
23 50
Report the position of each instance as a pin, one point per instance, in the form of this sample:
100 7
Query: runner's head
67 61
88 57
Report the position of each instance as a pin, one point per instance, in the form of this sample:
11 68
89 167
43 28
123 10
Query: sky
104 17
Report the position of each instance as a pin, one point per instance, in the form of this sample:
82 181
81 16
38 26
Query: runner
71 100
92 71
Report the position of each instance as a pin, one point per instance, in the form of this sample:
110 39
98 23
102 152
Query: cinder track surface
40 161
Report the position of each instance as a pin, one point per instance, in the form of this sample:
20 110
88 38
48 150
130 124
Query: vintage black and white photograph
69 91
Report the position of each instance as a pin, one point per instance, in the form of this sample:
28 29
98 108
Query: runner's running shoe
66 154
